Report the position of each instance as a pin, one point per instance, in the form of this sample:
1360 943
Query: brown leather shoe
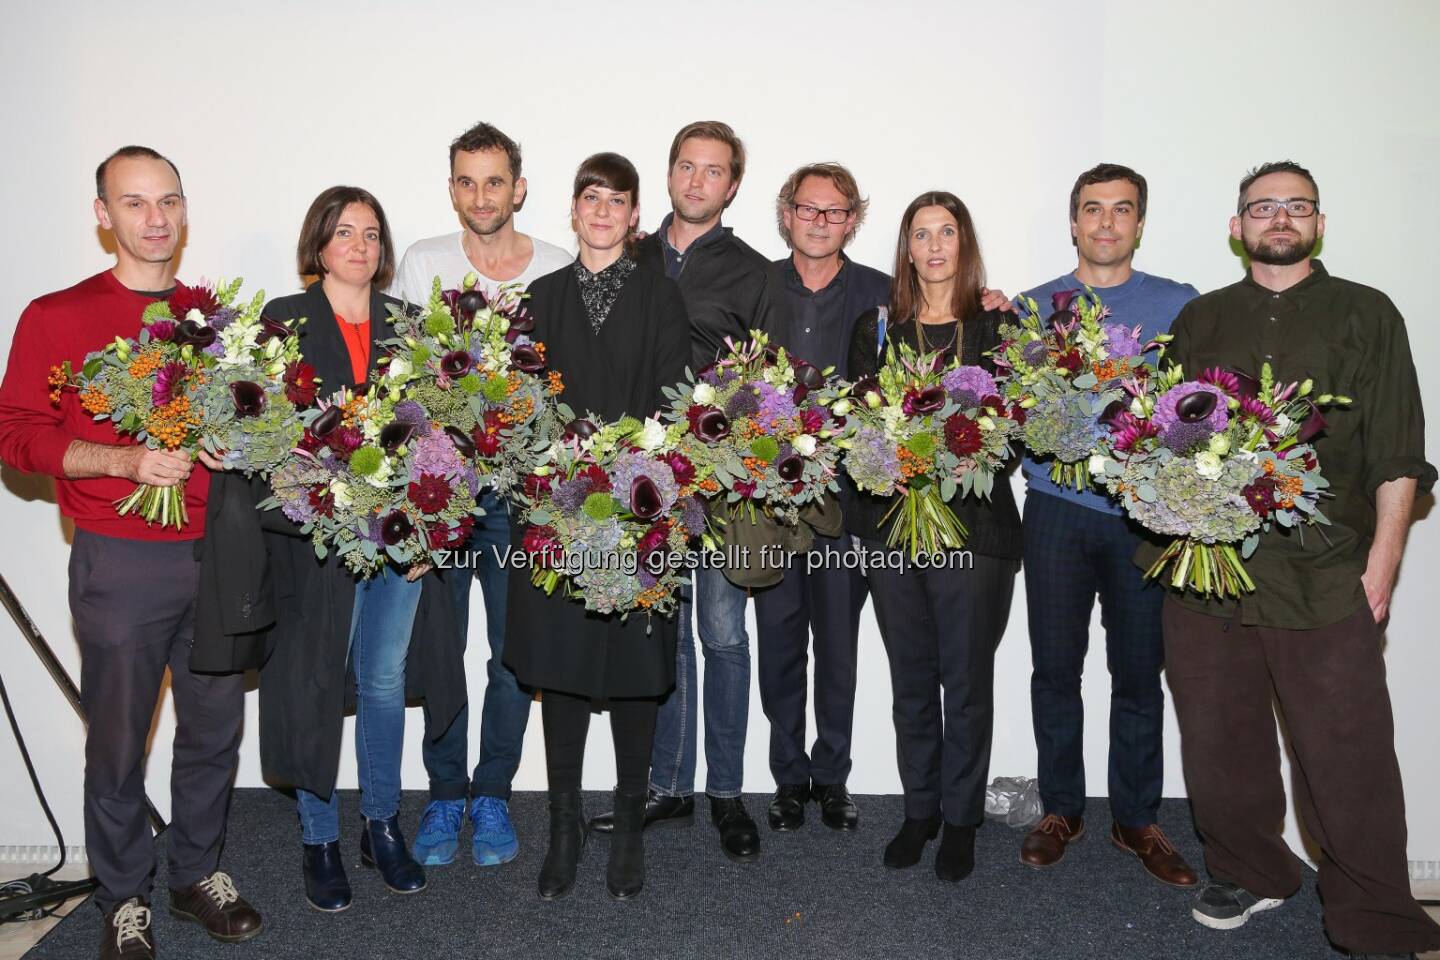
1160 859
127 934
216 905
1045 845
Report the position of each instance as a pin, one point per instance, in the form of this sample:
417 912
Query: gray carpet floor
815 893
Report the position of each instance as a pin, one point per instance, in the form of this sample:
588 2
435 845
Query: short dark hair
1265 169
1105 173
319 226
711 130
613 172
484 136
132 151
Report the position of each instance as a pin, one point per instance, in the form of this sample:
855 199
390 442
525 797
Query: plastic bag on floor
1014 801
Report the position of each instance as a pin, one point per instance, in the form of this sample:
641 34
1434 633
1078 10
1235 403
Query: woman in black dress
941 625
617 332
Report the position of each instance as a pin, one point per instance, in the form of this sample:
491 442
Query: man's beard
485 230
1284 256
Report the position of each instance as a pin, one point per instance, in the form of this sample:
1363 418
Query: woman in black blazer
617 331
328 625
941 627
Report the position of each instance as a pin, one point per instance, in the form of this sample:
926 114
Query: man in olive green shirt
1309 636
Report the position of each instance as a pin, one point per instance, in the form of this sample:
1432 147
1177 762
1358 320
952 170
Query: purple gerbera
968 385
169 383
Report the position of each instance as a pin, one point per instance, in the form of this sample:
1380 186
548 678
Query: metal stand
45 892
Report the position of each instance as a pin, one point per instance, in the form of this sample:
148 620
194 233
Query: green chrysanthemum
765 448
496 389
599 506
439 323
420 355
922 445
471 383
366 461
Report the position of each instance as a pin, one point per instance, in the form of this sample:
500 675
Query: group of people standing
621 320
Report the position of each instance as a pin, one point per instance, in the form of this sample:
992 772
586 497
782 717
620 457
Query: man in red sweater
132 585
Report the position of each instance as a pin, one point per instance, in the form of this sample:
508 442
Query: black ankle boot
956 857
567 842
383 846
909 843
326 887
625 874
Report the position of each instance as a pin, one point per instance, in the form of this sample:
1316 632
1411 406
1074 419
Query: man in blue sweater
1079 544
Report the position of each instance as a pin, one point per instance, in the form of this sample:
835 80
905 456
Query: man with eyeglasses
1078 545
724 283
1309 638
818 294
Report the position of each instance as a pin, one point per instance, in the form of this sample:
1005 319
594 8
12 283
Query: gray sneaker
1222 905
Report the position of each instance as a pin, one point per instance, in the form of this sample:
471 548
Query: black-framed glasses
833 215
1298 207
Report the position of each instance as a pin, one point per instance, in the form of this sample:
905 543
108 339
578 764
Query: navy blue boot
383 847
326 886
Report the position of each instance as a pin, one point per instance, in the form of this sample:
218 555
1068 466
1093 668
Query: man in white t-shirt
486 188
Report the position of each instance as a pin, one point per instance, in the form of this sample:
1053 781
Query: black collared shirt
1351 340
675 259
817 329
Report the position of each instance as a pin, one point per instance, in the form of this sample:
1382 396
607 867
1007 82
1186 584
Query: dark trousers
941 629
817 595
1329 684
1073 554
505 711
133 603
567 723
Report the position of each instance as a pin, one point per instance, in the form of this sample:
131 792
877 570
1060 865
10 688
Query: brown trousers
1329 684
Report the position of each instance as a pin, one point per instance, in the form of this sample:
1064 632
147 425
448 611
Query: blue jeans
720 610
506 709
379 640
1073 554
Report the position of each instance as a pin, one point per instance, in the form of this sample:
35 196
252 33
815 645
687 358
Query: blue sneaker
439 833
494 842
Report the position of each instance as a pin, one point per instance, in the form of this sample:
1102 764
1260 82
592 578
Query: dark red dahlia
322 501
543 545
300 383
344 441
444 537
487 435
599 479
1070 360
811 420
430 493
185 299
536 487
746 488
654 538
681 466
962 436
1260 494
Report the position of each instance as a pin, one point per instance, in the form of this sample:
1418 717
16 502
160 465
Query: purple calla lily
645 500
249 398
456 363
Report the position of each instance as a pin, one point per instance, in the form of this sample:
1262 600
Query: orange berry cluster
519 412
709 485
57 380
92 400
650 596
1107 370
553 384
171 423
912 465
1288 488
146 363
756 466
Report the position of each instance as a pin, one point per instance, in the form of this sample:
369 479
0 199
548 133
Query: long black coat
644 345
306 686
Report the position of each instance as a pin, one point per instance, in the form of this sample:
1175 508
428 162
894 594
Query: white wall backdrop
264 104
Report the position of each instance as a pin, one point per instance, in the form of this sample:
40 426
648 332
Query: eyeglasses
834 215
1267 208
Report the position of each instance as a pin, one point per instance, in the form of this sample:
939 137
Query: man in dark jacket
725 286
818 292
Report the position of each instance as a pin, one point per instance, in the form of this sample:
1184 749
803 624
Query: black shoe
904 851
660 811
837 810
625 873
955 860
567 843
127 934
787 810
326 887
383 847
739 837
1222 905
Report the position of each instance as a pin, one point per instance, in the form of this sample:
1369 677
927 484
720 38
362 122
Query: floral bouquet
928 432
756 425
204 373
374 478
1212 463
1065 371
609 512
469 363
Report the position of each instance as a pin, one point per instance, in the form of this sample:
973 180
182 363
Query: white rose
1209 465
841 408
704 393
652 435
1283 424
1219 444
340 490
1097 464
399 368
196 316
804 445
